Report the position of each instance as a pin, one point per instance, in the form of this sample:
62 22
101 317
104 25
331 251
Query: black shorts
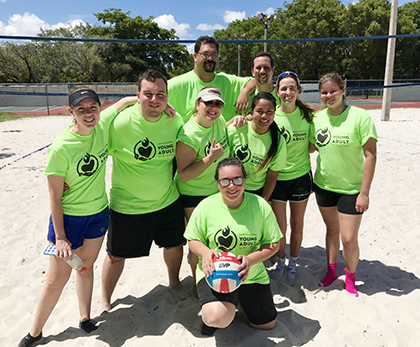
131 236
256 300
258 192
346 203
295 190
189 201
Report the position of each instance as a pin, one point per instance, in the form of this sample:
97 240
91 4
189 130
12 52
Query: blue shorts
78 228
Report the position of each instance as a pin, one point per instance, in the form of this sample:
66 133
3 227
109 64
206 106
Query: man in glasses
183 89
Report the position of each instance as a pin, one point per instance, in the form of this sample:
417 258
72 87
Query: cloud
207 27
167 21
2 0
230 16
30 25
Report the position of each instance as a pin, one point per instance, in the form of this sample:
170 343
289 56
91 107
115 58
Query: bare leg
84 281
279 209
111 272
349 229
266 326
218 314
192 258
58 275
297 214
173 260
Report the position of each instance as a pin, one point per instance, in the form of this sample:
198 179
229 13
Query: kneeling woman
236 214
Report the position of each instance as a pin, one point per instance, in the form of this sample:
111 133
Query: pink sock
350 283
330 276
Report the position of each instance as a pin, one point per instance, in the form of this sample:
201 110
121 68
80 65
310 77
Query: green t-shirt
251 149
239 231
200 139
340 140
81 160
142 154
295 131
273 93
183 91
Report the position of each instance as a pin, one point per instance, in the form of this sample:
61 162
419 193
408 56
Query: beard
209 66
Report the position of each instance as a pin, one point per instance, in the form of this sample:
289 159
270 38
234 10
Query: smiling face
206 59
263 116
206 115
332 96
86 115
232 195
262 70
288 91
152 99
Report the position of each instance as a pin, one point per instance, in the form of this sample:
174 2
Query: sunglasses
288 74
217 104
225 182
209 55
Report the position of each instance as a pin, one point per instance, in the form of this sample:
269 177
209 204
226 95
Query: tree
125 61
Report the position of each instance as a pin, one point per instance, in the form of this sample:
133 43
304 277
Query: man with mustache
183 89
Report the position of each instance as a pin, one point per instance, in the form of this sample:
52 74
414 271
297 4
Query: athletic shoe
29 340
281 266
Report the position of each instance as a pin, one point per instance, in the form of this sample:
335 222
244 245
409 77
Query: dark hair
229 162
274 129
263 54
151 76
307 111
205 39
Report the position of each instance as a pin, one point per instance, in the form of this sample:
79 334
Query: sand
145 312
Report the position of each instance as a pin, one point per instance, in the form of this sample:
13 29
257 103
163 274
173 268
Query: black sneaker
29 340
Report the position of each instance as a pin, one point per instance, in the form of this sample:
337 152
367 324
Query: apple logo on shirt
285 133
242 152
225 239
322 137
144 150
88 165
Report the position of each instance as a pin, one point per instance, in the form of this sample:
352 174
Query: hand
207 262
216 151
242 104
66 187
249 117
170 110
63 247
244 267
362 203
239 121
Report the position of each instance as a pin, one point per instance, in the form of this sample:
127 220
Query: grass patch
7 116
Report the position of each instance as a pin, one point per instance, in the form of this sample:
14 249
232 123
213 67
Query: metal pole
239 59
389 66
46 99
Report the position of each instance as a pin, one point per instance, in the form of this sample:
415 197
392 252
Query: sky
190 19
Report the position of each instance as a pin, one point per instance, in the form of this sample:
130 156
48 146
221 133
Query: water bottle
76 263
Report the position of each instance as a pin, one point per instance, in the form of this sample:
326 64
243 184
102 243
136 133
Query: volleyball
226 277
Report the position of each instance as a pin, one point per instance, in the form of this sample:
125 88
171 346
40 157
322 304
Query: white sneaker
281 266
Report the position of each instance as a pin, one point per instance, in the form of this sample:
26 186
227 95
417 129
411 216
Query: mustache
209 62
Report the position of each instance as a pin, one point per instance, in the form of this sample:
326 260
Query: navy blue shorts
132 235
259 192
78 228
189 201
256 300
295 190
346 203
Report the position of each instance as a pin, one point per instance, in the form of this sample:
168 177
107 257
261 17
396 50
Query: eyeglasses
217 104
288 74
209 55
225 182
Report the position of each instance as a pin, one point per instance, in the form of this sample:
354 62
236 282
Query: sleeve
107 116
366 128
57 164
270 229
311 135
184 137
195 227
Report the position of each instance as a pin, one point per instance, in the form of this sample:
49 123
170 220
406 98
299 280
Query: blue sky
189 18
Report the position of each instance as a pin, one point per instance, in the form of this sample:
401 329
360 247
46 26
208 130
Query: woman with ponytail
259 146
294 183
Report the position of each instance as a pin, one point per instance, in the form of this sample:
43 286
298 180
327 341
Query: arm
124 102
311 147
56 188
270 184
369 149
188 168
242 104
205 253
265 252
